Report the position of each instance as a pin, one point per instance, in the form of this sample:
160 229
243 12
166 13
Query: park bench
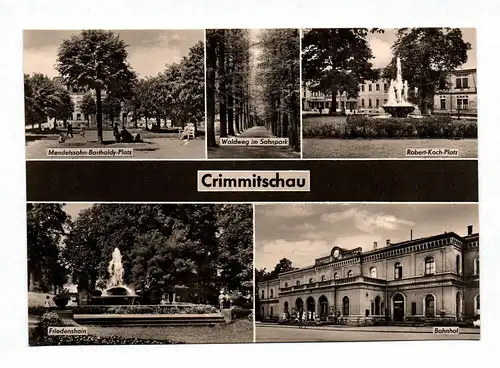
187 132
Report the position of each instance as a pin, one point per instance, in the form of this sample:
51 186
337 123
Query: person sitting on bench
126 136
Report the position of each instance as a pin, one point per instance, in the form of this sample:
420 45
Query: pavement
253 151
282 333
157 147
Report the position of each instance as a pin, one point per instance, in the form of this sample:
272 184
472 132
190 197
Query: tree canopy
337 60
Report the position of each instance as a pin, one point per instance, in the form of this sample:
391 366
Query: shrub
96 340
39 333
357 126
131 309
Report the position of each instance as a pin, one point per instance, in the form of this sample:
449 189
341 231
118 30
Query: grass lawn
37 299
318 120
240 331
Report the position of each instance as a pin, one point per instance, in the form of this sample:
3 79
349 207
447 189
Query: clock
336 253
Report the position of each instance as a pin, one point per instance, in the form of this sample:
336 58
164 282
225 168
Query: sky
381 43
149 50
73 209
304 232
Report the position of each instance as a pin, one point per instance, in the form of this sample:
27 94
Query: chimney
411 234
374 245
469 230
388 242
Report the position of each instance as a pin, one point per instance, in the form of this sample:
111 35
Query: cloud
365 221
286 210
301 253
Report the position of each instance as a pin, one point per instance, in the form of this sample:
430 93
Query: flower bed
364 127
129 309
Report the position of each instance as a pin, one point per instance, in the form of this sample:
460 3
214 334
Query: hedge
39 337
128 309
364 127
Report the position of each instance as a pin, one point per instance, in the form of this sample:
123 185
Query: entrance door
399 307
377 306
429 306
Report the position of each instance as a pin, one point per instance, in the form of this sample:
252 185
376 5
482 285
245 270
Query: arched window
298 282
311 280
286 284
349 273
271 293
476 266
271 313
430 266
373 273
323 278
263 295
398 271
477 305
335 276
345 306
458 264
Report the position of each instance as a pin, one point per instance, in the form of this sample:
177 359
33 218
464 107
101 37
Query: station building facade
432 277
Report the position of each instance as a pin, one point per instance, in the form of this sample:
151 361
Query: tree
235 240
283 265
212 41
337 60
221 60
42 98
46 225
87 106
95 59
111 108
427 56
64 106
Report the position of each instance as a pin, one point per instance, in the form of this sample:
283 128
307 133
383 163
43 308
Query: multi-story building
436 276
460 96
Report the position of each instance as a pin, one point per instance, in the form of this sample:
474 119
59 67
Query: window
459 104
78 116
458 264
362 88
430 266
349 273
443 104
386 89
323 278
336 276
311 280
362 102
271 312
385 100
373 273
298 282
465 82
377 87
465 103
377 101
271 293
263 295
286 284
345 306
369 102
476 304
398 271
369 87
476 266
414 308
458 83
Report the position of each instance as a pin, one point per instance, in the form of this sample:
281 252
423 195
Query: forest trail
253 151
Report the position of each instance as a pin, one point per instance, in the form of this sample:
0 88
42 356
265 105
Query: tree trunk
146 118
236 117
230 98
333 107
294 122
98 104
222 88
211 66
242 128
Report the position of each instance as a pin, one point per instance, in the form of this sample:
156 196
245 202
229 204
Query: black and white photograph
127 94
389 93
366 272
253 85
120 274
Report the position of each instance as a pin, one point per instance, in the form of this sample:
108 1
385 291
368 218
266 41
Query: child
47 302
61 139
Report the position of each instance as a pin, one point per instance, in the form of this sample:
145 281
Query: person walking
69 131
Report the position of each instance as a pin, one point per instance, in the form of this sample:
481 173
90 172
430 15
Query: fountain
397 101
117 293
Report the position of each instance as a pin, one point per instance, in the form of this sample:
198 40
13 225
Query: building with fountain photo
426 278
460 96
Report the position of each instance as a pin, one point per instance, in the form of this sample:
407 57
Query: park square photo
115 274
389 93
133 94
